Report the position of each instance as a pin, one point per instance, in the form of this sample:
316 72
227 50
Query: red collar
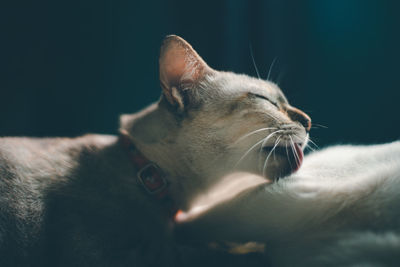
149 174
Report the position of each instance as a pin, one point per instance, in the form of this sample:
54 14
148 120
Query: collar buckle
152 178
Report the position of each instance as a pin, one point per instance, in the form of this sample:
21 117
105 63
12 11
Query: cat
100 200
340 209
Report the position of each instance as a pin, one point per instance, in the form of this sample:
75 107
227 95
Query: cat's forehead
235 85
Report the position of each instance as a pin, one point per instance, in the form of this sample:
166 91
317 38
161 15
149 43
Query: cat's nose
296 114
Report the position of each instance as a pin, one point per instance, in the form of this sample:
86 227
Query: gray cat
101 200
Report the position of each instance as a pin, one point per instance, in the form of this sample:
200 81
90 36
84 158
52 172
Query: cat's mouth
290 156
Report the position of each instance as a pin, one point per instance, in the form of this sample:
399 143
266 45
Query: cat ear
180 67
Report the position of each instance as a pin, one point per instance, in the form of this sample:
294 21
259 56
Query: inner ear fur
180 67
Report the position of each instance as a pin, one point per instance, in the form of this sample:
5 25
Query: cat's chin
283 161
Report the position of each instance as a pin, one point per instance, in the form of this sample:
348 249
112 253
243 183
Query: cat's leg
230 220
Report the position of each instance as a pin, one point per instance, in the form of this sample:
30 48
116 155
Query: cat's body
76 202
340 209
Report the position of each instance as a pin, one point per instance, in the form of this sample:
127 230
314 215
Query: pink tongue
300 155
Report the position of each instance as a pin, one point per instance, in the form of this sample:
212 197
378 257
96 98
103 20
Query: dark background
71 67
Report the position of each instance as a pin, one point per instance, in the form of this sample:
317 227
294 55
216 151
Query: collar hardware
149 175
152 178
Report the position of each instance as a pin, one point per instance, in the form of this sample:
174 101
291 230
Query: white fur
340 209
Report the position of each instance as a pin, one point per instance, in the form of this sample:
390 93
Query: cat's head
214 121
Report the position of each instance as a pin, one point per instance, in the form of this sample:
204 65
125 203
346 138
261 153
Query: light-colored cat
342 208
207 124
106 201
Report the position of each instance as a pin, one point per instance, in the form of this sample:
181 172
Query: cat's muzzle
283 160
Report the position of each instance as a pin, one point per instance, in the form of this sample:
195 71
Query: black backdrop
71 67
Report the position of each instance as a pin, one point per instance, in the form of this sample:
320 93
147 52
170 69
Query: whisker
310 147
320 125
269 154
312 142
254 62
254 132
306 142
270 68
267 138
287 154
265 141
317 127
256 144
294 151
280 77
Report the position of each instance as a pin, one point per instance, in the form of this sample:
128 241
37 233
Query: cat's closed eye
265 98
